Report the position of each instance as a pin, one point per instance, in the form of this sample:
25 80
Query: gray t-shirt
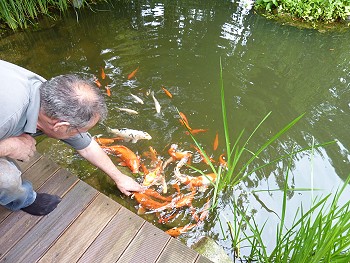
20 104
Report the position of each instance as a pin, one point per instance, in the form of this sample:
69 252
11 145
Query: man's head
69 104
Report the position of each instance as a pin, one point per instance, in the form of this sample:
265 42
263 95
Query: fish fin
122 164
141 211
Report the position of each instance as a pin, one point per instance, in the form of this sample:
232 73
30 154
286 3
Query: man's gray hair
73 99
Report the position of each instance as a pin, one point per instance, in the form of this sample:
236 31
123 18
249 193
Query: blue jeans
15 193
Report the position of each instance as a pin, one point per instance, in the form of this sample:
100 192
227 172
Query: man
65 108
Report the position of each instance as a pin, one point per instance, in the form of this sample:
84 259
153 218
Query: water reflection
267 67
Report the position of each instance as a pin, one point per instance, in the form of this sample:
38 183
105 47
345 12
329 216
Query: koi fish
147 202
222 161
176 231
132 74
128 111
194 131
108 91
167 92
205 212
202 181
105 141
155 194
177 155
130 135
128 157
165 219
152 176
184 121
103 75
216 141
137 99
97 82
156 103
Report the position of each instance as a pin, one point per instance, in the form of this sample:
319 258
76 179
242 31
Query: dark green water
178 45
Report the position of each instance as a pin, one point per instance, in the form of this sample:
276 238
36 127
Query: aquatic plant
21 13
319 234
235 172
309 10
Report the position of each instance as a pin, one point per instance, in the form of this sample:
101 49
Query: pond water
267 67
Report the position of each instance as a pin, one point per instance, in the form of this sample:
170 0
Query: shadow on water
266 67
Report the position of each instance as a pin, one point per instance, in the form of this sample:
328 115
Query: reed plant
234 173
21 13
319 234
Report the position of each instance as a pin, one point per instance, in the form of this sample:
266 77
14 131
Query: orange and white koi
130 111
177 155
176 231
137 99
132 74
130 135
108 91
222 161
167 92
156 102
203 156
97 82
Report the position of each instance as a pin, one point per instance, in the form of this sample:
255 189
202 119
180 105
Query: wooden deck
86 226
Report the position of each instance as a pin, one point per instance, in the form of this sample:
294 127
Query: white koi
137 99
156 103
128 110
130 135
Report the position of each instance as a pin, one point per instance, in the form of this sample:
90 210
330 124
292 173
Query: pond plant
318 234
309 11
21 13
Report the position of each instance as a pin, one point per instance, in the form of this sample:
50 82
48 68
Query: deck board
87 226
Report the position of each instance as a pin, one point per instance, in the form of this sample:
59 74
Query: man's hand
126 185
19 147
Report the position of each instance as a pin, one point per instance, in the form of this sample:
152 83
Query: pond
267 67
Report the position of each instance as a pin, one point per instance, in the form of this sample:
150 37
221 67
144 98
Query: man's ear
60 124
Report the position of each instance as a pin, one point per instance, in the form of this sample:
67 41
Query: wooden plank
113 240
33 245
202 259
40 172
177 252
146 246
25 165
78 237
16 225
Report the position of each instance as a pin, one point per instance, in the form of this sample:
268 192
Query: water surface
267 67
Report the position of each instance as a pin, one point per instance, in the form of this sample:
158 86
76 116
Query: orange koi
202 181
195 131
176 231
222 161
105 141
108 91
216 141
128 157
103 75
97 82
155 194
184 121
202 155
132 74
180 201
194 214
167 92
152 176
147 202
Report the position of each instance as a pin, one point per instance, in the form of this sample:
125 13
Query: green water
178 44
